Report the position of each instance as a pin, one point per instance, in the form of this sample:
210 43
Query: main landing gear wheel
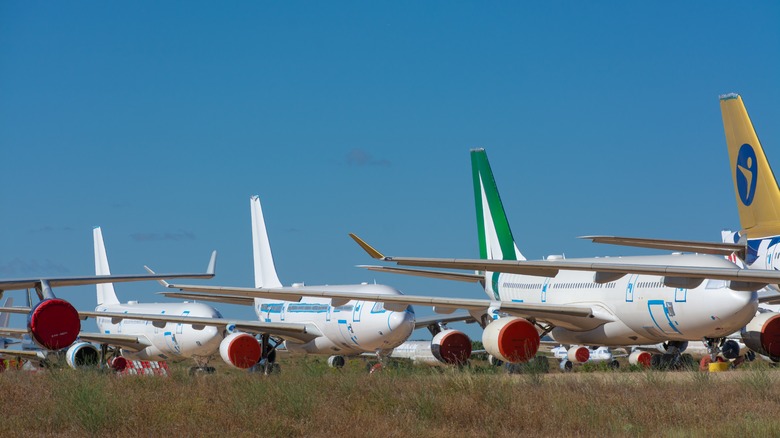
195 371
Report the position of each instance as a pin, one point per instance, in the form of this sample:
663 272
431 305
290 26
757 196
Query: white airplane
348 327
577 354
54 323
757 246
601 301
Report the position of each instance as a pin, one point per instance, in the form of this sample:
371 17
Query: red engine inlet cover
240 350
511 339
451 347
118 363
581 354
54 324
770 337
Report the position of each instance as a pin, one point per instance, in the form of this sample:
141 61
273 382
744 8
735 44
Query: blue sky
158 121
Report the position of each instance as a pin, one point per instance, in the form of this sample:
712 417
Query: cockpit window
716 284
378 308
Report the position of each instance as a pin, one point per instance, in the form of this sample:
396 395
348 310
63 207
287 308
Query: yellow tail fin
758 197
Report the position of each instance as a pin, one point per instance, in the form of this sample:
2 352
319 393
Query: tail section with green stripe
495 237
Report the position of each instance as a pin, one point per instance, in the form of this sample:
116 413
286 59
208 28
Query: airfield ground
309 399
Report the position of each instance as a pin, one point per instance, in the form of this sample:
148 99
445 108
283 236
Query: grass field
309 399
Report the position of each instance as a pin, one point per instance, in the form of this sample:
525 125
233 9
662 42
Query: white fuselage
598 354
168 341
643 310
350 329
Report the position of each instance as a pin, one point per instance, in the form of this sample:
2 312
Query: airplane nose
401 325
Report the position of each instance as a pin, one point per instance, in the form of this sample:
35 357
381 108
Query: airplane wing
719 248
28 283
567 316
456 276
227 299
36 355
292 331
435 319
129 342
674 276
13 332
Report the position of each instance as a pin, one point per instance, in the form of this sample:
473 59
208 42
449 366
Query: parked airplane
577 354
54 323
347 327
757 246
609 302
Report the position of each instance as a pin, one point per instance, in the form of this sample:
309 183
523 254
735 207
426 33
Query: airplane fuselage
168 341
644 311
352 328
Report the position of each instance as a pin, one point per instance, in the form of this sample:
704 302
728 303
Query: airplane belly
614 333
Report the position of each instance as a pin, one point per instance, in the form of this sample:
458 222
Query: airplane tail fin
105 291
265 271
495 236
758 196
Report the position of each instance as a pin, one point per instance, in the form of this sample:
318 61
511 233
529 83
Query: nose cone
401 326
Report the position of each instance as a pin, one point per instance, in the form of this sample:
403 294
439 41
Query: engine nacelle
511 339
240 350
452 347
578 354
762 335
53 323
641 358
672 347
82 354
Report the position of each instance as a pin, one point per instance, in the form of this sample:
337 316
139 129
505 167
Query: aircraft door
630 288
179 326
659 312
357 311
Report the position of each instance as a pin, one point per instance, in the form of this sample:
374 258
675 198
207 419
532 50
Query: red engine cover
54 324
511 339
770 337
118 363
240 350
641 358
451 347
579 355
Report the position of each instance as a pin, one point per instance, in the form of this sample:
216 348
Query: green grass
309 399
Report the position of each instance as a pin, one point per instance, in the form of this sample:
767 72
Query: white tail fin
265 271
105 291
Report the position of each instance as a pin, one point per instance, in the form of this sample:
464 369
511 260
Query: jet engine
511 339
82 354
578 354
53 323
240 350
452 347
762 335
641 358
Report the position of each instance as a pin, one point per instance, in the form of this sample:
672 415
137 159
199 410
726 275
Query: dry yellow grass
309 399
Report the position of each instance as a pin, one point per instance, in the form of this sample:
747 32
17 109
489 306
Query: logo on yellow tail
747 172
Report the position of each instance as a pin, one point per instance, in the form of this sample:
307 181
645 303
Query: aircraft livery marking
747 173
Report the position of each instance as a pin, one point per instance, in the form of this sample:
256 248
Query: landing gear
201 366
267 364
197 371
614 365
336 362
